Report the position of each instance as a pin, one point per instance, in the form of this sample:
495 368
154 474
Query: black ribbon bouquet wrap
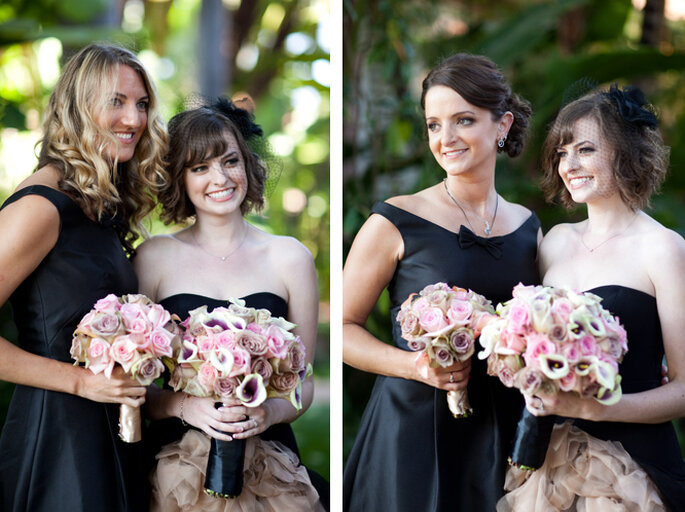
531 440
224 477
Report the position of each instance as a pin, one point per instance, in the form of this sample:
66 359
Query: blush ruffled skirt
584 474
274 479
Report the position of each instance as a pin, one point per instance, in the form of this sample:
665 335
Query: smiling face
218 185
586 162
125 114
461 136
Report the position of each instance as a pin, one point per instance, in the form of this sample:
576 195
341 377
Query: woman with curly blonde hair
62 232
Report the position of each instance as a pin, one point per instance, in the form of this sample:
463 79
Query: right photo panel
514 262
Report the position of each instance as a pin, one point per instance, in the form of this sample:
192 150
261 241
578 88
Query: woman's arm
30 229
370 265
665 265
297 270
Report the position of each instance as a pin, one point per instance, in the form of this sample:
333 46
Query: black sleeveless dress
410 454
653 446
163 432
59 451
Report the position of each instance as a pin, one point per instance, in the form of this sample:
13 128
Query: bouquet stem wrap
531 441
129 424
458 403
224 477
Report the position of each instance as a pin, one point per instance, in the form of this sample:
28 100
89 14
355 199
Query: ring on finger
451 377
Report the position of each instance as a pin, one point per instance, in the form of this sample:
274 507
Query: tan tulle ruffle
274 479
581 473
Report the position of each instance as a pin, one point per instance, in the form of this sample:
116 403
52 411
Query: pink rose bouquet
442 323
133 332
554 339
243 353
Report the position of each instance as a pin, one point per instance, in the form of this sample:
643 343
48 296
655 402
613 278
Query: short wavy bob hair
75 144
198 135
640 157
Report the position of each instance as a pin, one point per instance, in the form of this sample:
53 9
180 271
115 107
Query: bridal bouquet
553 339
243 353
133 332
442 323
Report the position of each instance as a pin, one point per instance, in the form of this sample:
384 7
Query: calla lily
554 366
222 359
188 353
605 373
251 391
610 396
583 367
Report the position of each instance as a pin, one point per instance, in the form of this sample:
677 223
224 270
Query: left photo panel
165 257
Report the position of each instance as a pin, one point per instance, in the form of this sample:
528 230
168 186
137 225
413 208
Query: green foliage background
544 48
287 47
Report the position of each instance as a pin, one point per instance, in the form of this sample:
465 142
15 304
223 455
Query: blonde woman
62 233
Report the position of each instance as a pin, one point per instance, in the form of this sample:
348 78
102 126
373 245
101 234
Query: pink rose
207 374
134 318
432 319
158 316
147 369
462 342
537 344
253 343
109 304
225 387
569 382
518 318
285 381
276 342
410 325
561 310
420 304
241 362
205 344
459 312
529 380
256 328
587 346
512 342
160 342
440 353
262 366
106 325
225 339
100 357
124 352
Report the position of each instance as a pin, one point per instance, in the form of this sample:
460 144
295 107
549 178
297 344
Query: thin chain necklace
582 236
488 226
222 258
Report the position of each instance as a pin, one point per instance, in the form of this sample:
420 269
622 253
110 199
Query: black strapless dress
410 454
59 451
596 467
164 432
653 446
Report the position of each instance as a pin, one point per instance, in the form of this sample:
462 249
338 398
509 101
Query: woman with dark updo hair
410 453
217 175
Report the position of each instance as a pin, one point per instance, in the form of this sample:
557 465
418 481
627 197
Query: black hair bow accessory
631 102
241 118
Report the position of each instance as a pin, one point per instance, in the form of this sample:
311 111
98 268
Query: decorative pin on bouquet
442 323
133 332
550 340
243 353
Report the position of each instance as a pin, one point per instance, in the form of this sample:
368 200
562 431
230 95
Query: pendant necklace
488 227
610 238
222 258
